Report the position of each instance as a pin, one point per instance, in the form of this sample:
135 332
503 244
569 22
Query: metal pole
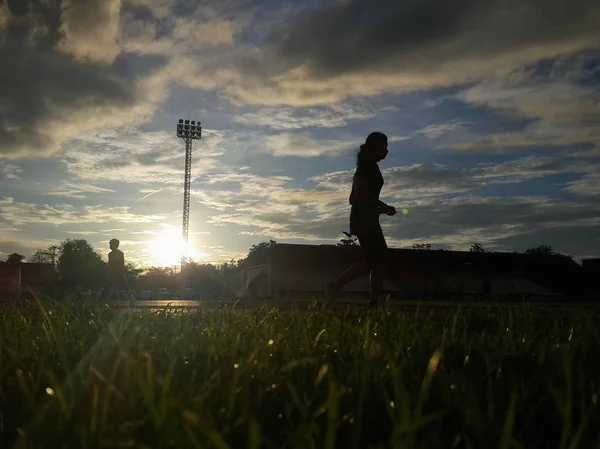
186 198
188 132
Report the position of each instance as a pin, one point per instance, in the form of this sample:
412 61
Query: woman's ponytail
361 157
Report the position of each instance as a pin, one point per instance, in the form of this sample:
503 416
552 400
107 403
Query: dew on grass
434 362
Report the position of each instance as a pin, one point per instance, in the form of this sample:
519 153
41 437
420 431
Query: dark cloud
350 36
358 48
52 89
560 102
505 223
38 90
415 35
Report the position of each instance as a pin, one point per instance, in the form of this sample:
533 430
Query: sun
167 248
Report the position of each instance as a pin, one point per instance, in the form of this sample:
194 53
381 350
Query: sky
492 109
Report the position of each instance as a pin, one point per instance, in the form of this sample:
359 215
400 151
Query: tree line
78 266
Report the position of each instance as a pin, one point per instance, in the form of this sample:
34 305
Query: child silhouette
117 274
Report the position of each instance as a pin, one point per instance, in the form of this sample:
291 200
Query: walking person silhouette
117 275
364 219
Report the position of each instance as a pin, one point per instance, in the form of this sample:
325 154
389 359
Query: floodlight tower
188 132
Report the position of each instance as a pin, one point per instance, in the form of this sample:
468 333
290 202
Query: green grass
84 375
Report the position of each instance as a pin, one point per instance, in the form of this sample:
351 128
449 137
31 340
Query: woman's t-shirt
365 217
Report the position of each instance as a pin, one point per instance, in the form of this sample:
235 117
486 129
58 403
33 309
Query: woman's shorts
374 247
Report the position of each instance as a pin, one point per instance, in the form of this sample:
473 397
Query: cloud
19 213
10 171
286 118
208 33
457 222
437 131
133 156
111 63
84 233
454 223
561 107
76 191
55 86
419 181
442 208
587 186
90 29
25 247
388 46
303 145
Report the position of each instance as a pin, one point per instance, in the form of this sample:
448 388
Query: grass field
85 375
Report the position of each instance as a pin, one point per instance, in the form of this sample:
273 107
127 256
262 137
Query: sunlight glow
167 248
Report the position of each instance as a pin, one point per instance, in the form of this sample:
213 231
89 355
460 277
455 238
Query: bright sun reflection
167 248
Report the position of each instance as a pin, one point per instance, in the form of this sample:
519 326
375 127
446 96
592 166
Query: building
301 270
10 282
23 279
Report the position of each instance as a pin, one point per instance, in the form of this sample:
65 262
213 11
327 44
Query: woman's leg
376 259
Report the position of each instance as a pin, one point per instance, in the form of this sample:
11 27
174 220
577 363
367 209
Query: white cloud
588 186
438 130
10 171
194 33
303 145
76 191
130 155
286 118
19 213
90 29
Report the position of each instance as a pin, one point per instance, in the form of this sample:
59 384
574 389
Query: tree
205 279
48 255
227 269
426 246
350 240
38 256
132 274
478 248
258 254
80 265
541 250
157 277
546 251
15 258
